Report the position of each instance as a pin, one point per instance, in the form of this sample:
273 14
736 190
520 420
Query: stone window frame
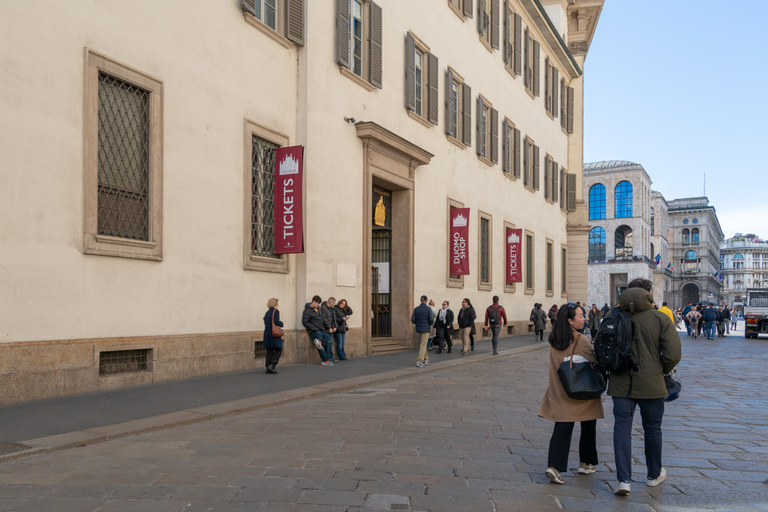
529 290
564 271
462 137
487 132
371 55
251 261
104 245
550 268
278 33
451 281
484 285
428 116
508 287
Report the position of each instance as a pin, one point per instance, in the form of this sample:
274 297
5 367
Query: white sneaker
554 476
656 481
586 469
622 489
318 344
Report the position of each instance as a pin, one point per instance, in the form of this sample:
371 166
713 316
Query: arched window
695 235
623 200
690 262
623 242
597 244
686 236
597 202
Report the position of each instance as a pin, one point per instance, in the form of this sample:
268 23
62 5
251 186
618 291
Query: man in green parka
656 349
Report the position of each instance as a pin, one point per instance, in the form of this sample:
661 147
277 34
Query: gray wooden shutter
481 14
569 128
562 188
468 8
516 154
547 91
526 163
555 92
536 69
563 104
518 45
547 179
507 25
505 149
376 64
294 21
527 72
433 77
494 136
410 72
466 115
495 14
249 6
480 139
535 167
449 103
342 26
570 203
554 181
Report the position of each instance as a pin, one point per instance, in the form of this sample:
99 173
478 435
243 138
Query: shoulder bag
277 331
581 381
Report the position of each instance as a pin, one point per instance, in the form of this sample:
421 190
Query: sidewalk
33 428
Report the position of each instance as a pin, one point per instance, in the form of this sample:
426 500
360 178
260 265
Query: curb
59 442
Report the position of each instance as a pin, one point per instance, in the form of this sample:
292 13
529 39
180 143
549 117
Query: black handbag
581 381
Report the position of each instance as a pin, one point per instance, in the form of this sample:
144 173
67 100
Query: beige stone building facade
137 156
743 264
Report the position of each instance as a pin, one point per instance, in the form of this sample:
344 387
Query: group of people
435 327
658 350
709 319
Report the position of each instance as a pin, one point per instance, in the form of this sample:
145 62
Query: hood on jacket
635 300
308 305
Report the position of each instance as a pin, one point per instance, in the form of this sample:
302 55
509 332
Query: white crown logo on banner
460 221
289 166
513 238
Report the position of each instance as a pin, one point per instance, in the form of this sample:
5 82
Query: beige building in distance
137 156
743 264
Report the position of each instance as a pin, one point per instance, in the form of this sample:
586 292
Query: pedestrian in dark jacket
539 319
312 321
553 316
422 317
656 350
329 323
444 328
594 320
466 322
272 344
727 319
495 316
342 311
709 317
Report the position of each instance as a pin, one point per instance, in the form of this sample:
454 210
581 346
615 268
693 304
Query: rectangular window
550 268
547 177
485 252
531 72
123 161
508 149
124 361
421 81
527 150
563 268
359 25
551 79
418 79
562 188
555 182
487 131
356 36
529 262
512 40
282 20
459 109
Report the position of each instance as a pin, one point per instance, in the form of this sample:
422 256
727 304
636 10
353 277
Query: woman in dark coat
342 311
272 344
553 316
595 316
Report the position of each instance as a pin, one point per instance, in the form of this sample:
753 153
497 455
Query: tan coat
556 406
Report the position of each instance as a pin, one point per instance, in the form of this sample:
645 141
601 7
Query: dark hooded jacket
311 319
656 348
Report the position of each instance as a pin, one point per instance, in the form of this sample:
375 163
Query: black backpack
613 344
493 315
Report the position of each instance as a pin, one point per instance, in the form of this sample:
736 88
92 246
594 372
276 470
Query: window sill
413 115
550 115
484 287
456 141
529 291
486 43
509 288
266 30
510 176
550 294
511 71
102 245
362 82
485 161
262 264
564 295
530 93
456 11
530 189
455 283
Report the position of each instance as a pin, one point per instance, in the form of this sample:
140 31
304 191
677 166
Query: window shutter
547 171
466 115
569 128
518 45
505 149
294 21
535 167
526 163
562 188
495 14
468 8
342 25
536 70
494 136
376 64
555 80
480 139
410 72
555 185
481 14
526 60
516 155
547 93
249 6
570 203
449 103
563 104
433 74
507 38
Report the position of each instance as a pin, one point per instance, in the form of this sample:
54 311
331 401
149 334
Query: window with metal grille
258 350
485 250
623 200
123 361
263 197
528 262
123 159
597 244
597 202
563 270
550 269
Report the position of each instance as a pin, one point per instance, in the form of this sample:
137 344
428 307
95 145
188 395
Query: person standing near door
443 327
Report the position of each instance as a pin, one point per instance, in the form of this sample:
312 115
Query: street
464 438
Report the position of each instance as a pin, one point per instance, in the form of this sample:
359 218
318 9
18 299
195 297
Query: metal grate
258 350
123 159
123 361
263 198
485 251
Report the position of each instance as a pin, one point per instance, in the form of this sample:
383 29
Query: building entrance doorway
381 263
690 294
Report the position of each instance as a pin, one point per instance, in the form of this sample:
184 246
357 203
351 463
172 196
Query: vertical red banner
289 172
459 242
514 261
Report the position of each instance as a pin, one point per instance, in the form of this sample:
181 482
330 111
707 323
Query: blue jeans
651 412
495 330
340 339
326 353
688 327
709 329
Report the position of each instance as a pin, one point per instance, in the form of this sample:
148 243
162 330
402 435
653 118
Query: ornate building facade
743 264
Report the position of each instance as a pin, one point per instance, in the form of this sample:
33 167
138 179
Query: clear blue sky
681 87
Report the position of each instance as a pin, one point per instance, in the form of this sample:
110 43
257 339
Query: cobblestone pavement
465 438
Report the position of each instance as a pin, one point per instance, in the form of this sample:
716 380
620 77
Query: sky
680 87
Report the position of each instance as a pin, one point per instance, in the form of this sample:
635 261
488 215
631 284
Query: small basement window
258 350
123 361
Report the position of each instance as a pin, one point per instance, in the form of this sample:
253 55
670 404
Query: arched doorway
690 294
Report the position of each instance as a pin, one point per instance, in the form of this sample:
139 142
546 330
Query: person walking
342 311
734 320
564 411
422 318
312 320
687 309
594 320
700 327
709 317
432 331
494 317
271 343
720 323
466 320
656 350
552 315
665 309
692 321
539 319
605 309
444 328
727 319
329 324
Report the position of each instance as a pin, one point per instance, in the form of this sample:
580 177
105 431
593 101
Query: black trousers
273 357
560 444
441 333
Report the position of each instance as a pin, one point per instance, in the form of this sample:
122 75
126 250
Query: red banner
514 262
289 235
459 241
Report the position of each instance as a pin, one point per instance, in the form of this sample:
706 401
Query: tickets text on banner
289 173
514 263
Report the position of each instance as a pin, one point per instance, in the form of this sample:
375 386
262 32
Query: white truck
756 312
